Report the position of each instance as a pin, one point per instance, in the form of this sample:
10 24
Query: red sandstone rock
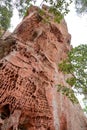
29 75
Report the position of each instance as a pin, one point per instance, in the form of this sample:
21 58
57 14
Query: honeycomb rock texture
29 75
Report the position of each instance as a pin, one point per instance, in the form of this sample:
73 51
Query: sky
77 26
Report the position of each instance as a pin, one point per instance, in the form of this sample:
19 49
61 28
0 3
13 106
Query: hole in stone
48 128
37 51
34 70
68 41
33 97
22 127
5 112
16 76
1 64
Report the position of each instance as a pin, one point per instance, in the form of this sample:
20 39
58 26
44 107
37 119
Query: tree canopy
7 7
5 14
76 65
77 60
81 6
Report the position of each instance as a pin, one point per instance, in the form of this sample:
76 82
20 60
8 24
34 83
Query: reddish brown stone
63 122
29 75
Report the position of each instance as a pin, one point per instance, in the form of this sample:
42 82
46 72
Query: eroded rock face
29 75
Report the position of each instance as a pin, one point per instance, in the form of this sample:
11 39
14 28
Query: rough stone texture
29 75
5 34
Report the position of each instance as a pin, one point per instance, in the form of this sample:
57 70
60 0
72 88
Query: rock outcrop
29 75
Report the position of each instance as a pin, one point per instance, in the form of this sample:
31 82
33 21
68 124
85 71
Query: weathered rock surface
28 77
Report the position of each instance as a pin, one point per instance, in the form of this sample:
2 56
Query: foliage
65 66
76 65
46 18
71 81
68 92
57 16
85 105
81 6
85 109
58 7
7 6
78 59
5 15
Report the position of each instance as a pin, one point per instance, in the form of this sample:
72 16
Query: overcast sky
77 26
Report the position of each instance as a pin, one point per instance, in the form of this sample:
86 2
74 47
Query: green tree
5 15
76 65
78 60
81 6
7 6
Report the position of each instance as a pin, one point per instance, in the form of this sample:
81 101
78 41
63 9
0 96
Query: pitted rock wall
29 75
